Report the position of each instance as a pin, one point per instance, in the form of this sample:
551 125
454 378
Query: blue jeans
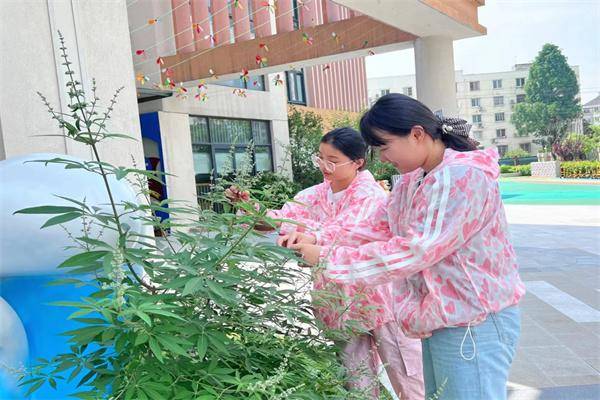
472 363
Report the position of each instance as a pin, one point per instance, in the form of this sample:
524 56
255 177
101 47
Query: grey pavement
559 254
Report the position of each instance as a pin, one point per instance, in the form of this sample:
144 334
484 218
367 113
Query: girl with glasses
347 208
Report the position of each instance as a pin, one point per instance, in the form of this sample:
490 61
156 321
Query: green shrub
524 170
306 130
273 190
580 169
507 169
217 317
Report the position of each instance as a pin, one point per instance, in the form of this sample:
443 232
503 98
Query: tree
306 131
551 101
516 154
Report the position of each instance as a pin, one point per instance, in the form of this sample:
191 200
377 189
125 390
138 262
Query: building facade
196 77
591 111
485 100
339 85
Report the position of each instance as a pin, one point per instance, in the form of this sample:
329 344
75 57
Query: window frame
290 77
216 147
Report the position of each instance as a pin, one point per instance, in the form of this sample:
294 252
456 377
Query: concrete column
434 66
109 61
177 156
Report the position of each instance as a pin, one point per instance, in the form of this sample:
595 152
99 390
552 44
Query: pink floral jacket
450 246
357 218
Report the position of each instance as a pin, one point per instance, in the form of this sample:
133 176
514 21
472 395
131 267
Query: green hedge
524 170
580 169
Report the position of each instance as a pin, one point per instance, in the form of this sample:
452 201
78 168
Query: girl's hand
296 237
235 194
309 252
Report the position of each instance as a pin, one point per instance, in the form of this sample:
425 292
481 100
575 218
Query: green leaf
72 129
47 210
223 293
74 373
52 383
86 378
83 259
193 286
119 135
165 313
61 219
89 395
155 347
94 242
172 346
34 387
217 342
65 281
145 317
141 339
201 347
94 321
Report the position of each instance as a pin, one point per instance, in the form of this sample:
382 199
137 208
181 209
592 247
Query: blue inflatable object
30 328
43 323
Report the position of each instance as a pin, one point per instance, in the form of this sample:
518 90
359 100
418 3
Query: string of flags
260 58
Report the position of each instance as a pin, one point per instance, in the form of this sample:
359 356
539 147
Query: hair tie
447 129
455 126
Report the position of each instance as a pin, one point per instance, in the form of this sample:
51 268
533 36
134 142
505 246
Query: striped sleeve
447 216
364 220
299 211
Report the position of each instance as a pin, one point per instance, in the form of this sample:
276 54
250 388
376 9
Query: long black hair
397 114
348 141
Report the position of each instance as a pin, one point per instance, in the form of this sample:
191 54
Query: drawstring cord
462 344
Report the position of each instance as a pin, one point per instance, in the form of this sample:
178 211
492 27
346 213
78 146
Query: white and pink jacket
450 247
355 219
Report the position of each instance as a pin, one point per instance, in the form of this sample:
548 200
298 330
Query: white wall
97 38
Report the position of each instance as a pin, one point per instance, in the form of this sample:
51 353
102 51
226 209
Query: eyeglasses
326 166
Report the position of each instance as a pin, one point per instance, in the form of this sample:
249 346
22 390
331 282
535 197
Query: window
295 14
497 83
498 101
407 90
253 83
499 117
520 98
384 92
474 85
500 133
220 145
502 149
520 82
478 135
476 102
477 118
526 147
295 87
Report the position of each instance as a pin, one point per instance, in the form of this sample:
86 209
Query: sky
516 32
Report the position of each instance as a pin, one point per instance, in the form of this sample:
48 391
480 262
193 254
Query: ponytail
397 114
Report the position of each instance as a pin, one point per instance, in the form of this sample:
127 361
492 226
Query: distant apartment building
486 100
591 111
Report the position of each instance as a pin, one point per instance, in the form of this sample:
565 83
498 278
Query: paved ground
559 254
